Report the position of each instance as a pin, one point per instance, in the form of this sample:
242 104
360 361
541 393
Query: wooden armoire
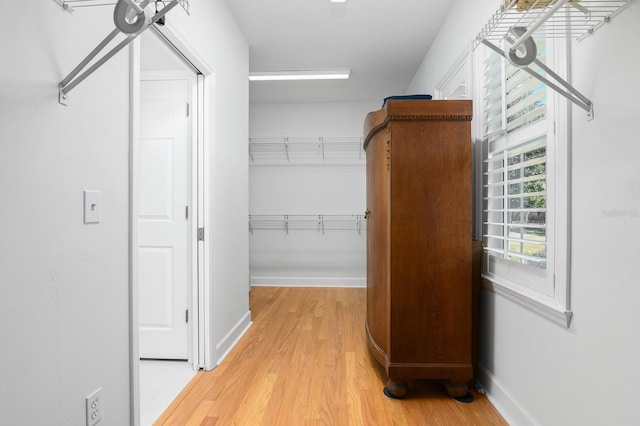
419 279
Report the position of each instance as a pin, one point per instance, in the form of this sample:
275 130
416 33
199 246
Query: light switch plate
91 206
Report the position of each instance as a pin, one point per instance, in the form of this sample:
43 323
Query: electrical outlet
94 407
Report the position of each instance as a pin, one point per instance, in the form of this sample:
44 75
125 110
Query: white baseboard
308 282
511 409
229 341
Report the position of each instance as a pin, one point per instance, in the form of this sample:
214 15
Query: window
456 84
522 125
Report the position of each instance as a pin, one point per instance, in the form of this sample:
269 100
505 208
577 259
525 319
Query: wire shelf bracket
130 18
517 20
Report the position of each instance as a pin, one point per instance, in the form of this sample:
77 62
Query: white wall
211 31
64 309
64 312
307 257
537 371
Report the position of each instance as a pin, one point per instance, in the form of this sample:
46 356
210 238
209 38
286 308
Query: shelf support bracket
73 79
286 148
562 87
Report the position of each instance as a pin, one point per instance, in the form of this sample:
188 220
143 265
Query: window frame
459 74
556 304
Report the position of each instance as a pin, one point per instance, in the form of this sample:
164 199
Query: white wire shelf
517 20
70 5
292 149
301 222
561 18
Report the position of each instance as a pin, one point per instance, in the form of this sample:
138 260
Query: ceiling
382 42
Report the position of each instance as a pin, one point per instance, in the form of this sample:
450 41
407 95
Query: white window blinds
515 189
526 96
522 97
515 227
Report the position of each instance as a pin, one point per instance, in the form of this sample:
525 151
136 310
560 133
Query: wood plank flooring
305 361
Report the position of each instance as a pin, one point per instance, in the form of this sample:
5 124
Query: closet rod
73 79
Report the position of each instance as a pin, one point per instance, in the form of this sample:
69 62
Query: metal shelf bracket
286 148
562 87
131 20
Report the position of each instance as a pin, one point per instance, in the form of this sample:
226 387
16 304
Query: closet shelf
319 222
292 149
562 18
517 20
71 5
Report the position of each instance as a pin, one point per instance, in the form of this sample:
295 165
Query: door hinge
186 315
188 109
200 234
186 212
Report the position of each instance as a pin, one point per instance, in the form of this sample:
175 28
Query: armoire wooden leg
396 389
458 390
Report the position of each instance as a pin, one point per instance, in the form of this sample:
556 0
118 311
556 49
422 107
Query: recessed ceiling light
299 75
338 1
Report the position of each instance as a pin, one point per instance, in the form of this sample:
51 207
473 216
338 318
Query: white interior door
164 253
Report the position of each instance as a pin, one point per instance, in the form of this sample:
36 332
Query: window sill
545 306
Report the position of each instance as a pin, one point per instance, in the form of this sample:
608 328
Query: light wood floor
305 361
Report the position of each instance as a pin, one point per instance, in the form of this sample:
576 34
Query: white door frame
200 353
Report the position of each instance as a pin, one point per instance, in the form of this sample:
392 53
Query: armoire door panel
378 243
